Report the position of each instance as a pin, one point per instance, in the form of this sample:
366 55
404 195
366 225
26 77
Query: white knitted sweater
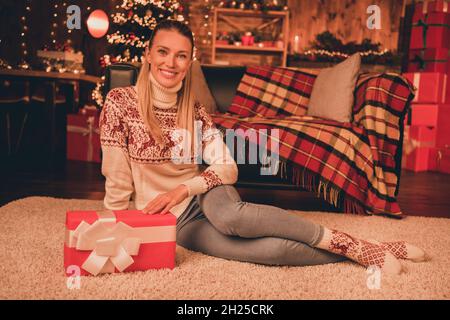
136 167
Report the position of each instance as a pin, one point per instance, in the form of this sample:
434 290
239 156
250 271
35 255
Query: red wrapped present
423 115
417 160
431 86
429 60
438 6
417 141
432 159
420 9
443 127
432 30
83 138
89 111
426 6
118 241
439 160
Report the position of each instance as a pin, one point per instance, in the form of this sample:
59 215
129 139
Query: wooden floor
421 194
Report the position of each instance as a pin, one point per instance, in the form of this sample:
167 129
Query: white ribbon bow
112 246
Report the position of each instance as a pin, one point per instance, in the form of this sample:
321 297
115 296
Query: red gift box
439 160
247 40
429 60
443 127
421 8
438 6
83 138
419 11
89 111
118 241
431 86
417 141
431 30
423 115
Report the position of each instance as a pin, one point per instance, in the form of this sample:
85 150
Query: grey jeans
220 224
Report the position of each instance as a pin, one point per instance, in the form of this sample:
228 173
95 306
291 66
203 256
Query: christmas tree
132 27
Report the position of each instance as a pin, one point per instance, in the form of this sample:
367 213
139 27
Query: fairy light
24 31
96 93
344 55
54 25
333 54
69 31
147 21
208 8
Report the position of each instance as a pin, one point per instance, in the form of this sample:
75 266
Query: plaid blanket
354 166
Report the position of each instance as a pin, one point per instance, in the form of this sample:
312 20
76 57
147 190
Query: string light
148 21
69 31
97 92
54 25
341 54
24 31
208 9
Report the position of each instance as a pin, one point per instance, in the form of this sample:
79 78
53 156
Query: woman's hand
165 201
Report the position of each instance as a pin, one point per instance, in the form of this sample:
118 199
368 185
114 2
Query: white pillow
332 93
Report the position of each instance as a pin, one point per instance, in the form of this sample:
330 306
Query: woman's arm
222 168
115 162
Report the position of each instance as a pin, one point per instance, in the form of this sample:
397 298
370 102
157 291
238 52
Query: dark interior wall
40 20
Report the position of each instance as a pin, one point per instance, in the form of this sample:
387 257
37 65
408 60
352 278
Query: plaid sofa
354 166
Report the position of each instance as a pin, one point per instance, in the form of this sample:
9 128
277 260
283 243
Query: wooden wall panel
347 19
344 18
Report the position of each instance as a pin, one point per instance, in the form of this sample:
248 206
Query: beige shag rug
32 235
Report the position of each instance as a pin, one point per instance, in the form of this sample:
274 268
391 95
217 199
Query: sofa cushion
223 82
270 91
332 94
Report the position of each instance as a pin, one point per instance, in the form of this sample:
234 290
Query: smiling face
170 57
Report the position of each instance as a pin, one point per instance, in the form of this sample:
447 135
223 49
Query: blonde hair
186 99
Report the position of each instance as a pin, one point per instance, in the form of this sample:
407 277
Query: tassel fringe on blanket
322 189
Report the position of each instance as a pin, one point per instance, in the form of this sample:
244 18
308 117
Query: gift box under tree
83 137
118 241
417 142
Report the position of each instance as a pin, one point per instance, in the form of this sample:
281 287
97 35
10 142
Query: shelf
248 48
280 18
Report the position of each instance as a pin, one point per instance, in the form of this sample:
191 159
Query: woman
140 136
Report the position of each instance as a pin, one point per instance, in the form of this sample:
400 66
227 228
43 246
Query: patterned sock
363 252
403 250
